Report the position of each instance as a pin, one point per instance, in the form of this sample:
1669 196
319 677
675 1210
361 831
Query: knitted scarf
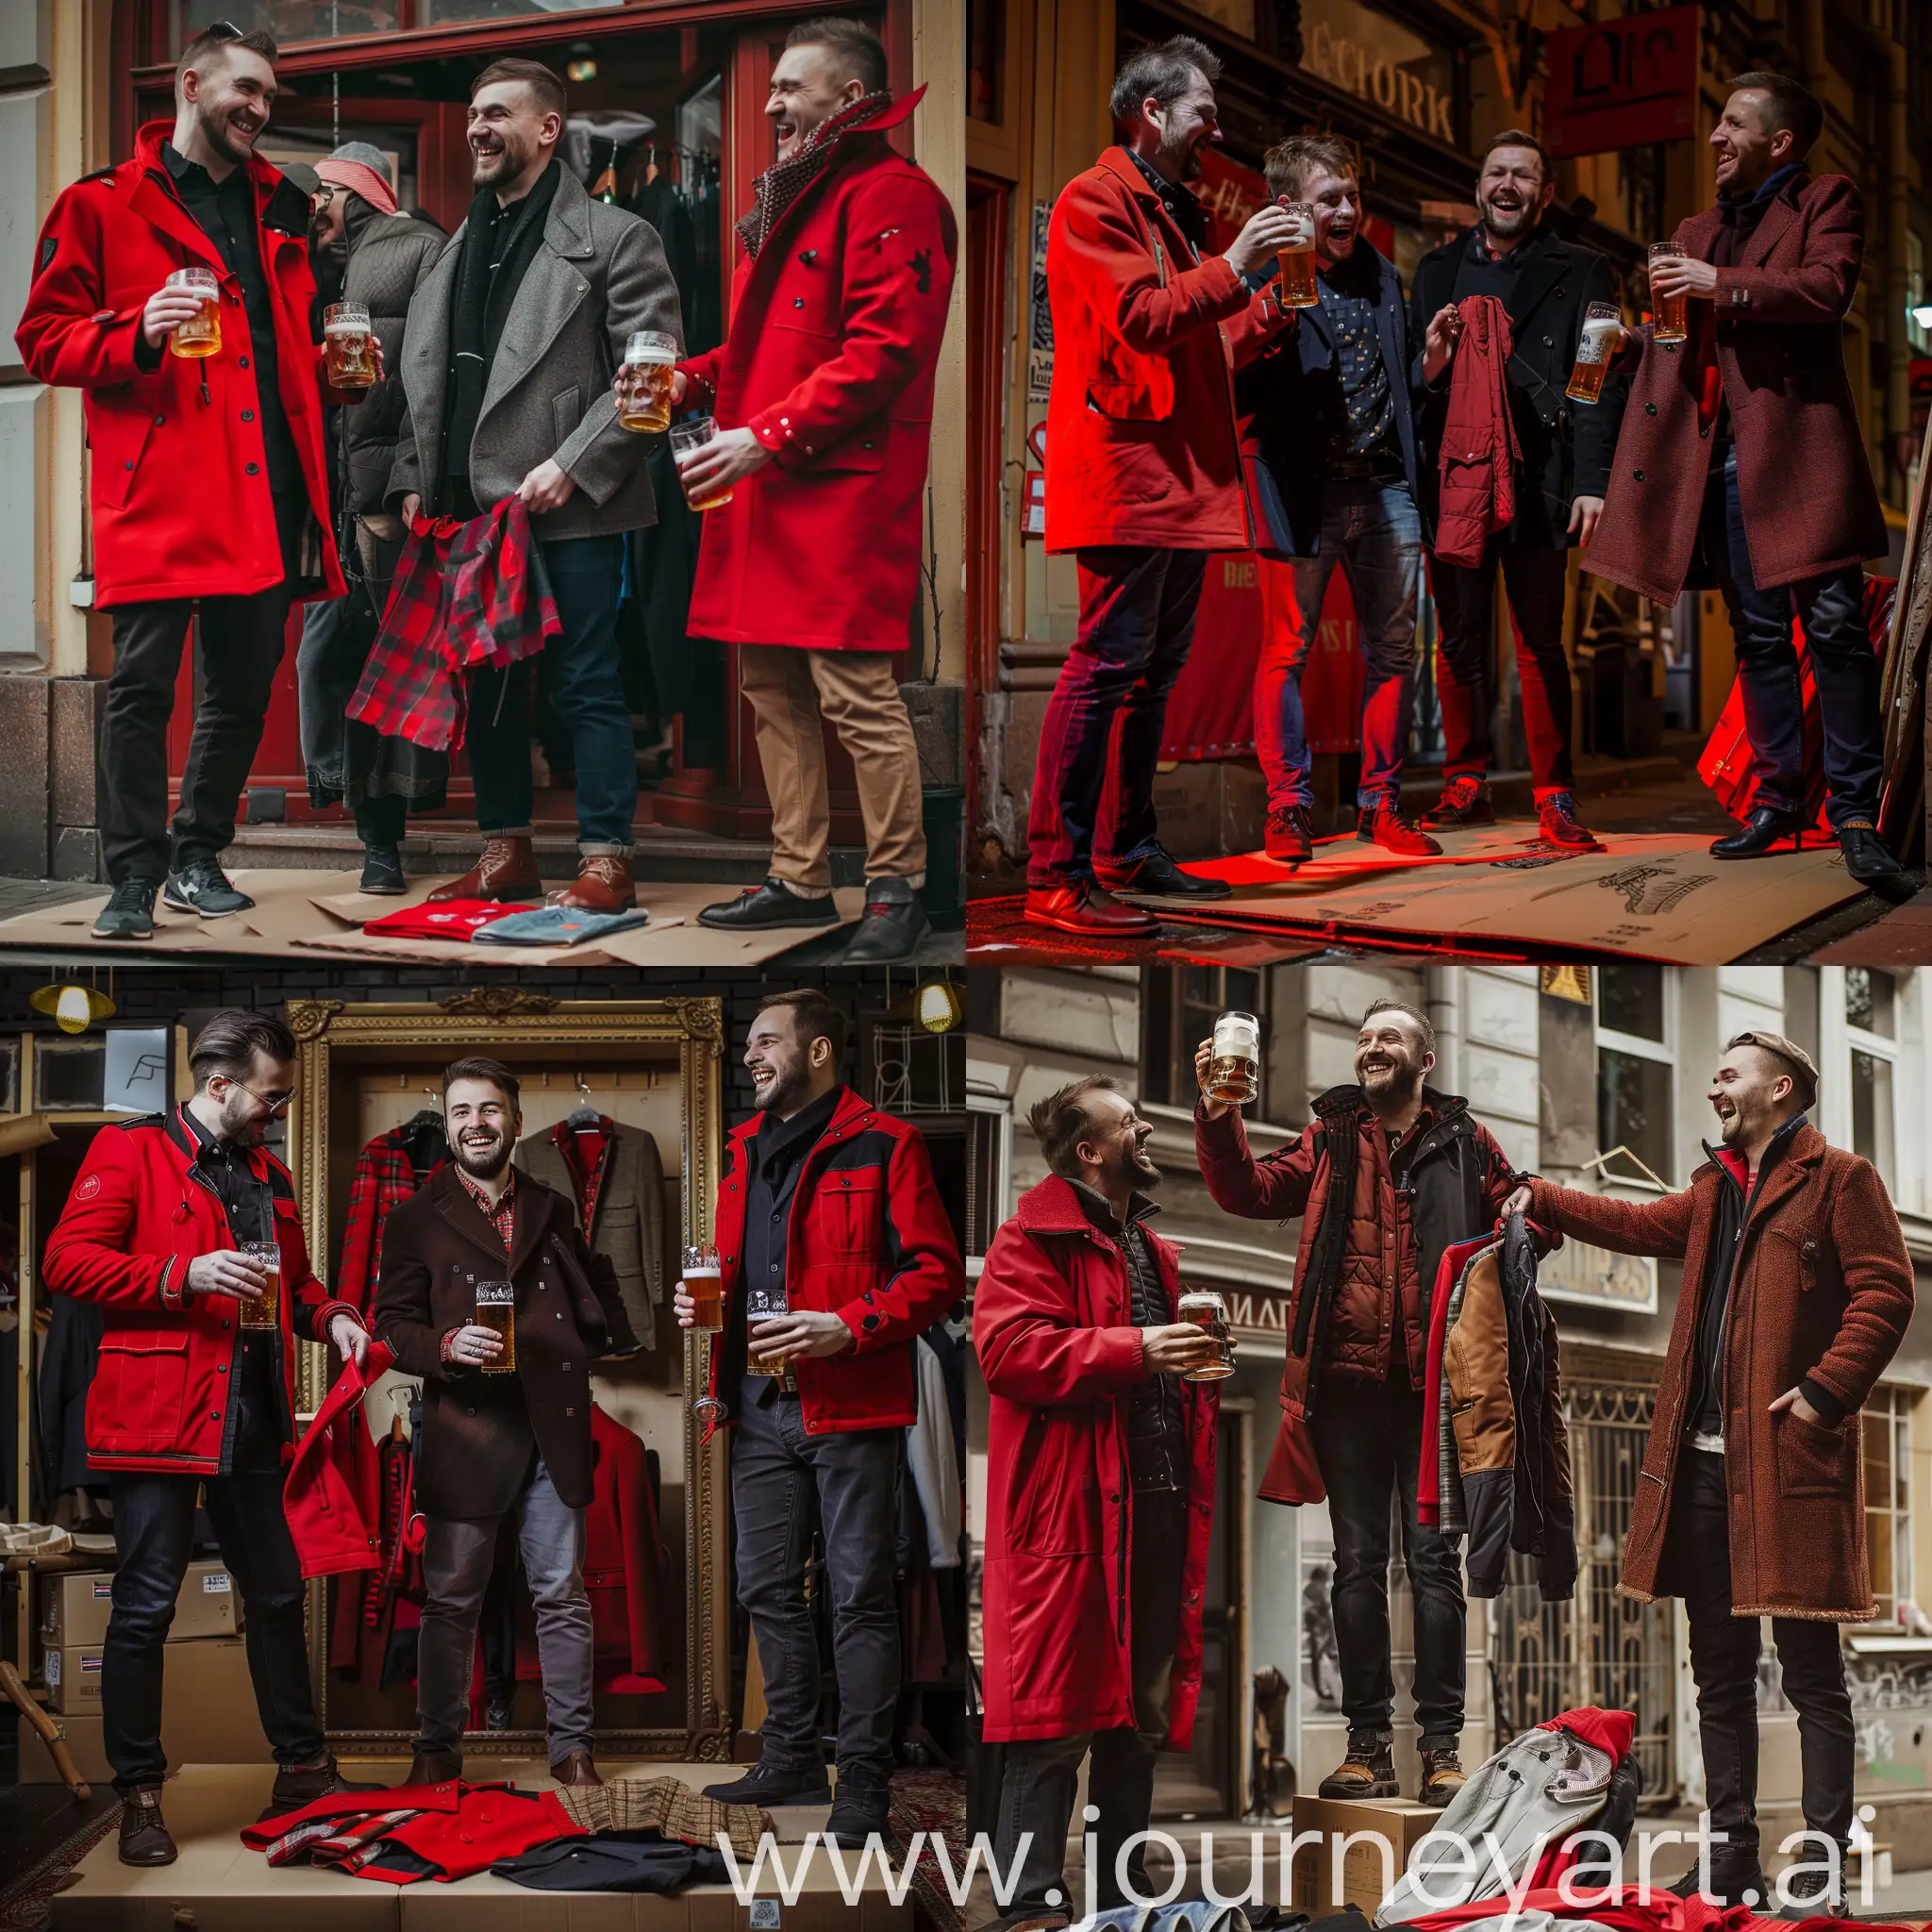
783 182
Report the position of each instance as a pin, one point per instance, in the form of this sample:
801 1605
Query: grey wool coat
599 274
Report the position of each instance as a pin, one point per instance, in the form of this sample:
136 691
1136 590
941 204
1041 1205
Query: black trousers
1724 1662
240 647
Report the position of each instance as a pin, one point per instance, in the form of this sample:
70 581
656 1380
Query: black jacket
1567 446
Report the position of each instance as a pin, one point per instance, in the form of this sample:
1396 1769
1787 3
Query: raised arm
1625 1228
1821 288
1276 1188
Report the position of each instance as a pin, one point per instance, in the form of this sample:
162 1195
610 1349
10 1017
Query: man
1329 421
1391 1173
1144 477
366 251
188 1402
1796 1293
829 1210
1092 1592
505 368
1742 456
1545 285
823 395
498 1437
208 494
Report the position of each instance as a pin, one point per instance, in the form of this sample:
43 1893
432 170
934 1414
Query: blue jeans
1136 625
1832 609
586 687
1372 530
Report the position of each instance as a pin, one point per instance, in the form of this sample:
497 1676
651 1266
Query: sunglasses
222 30
276 1102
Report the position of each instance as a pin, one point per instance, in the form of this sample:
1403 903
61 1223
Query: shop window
988 1146
1237 16
1872 1032
1384 61
290 21
1886 1424
912 1072
1636 1075
126 1070
70 1075
1178 1006
9 1075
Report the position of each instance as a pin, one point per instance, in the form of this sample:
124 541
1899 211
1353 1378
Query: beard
485 1163
785 1093
239 1125
220 136
1133 1169
1398 1080
1508 221
497 165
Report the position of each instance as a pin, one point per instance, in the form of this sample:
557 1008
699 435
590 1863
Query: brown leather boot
303 1784
603 885
507 871
1368 1771
1443 1774
427 1768
145 1837
578 1768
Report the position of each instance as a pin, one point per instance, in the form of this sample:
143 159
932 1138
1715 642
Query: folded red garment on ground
450 919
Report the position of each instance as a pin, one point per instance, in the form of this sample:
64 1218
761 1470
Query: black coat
478 1428
1566 446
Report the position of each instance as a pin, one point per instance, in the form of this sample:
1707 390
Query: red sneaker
1386 827
1287 836
1085 908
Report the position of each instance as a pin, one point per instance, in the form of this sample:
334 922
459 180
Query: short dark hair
1422 1020
813 1017
1793 106
1288 163
1160 73
211 41
1059 1120
542 83
862 51
1516 137
230 1040
477 1067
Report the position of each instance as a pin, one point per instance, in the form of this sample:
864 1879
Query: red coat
1774 333
1141 439
135 1219
331 1522
1059 1352
179 481
869 1240
835 337
1479 448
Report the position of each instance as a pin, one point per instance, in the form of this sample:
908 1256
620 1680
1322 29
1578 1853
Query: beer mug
1671 321
1204 1308
1601 325
496 1310
704 1284
263 1310
346 345
1298 286
686 441
766 1304
643 397
1234 1062
200 334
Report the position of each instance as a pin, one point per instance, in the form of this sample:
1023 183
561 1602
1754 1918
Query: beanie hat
363 170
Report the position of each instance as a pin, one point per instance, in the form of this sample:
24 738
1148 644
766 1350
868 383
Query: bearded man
506 1409
1389 1175
1796 1293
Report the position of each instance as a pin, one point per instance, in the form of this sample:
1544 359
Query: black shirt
1186 212
1349 292
224 211
776 1152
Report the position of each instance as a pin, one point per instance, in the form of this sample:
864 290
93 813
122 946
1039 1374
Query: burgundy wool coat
1823 1288
1059 1348
1776 334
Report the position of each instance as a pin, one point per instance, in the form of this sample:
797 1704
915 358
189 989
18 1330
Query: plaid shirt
464 595
385 1178
503 1214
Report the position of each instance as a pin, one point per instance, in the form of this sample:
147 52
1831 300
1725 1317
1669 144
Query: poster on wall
1621 83
1039 323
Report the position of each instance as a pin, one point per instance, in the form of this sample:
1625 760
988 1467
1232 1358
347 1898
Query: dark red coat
137 1215
869 1240
179 481
1479 449
1776 334
1141 439
835 339
1059 1351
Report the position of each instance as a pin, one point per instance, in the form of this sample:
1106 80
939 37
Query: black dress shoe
860 1809
767 906
775 1784
891 931
1465 801
144 1836
299 1785
382 870
1730 1885
1159 875
1867 859
1767 826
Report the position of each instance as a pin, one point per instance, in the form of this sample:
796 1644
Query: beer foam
347 329
650 359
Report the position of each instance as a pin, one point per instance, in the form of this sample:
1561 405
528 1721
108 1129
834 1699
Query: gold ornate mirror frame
486 1021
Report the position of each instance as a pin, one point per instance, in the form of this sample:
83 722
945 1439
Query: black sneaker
775 1784
1814 1893
893 924
1158 876
1730 1885
767 906
382 870
1465 801
861 1811
202 887
129 913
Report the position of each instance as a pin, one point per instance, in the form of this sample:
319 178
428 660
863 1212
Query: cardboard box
1367 1874
73 1676
207 1605
74 1607
208 1712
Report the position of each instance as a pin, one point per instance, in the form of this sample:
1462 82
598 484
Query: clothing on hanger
931 1455
388 1172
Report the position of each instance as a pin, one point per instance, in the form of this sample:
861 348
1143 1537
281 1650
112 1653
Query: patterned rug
933 1802
27 1903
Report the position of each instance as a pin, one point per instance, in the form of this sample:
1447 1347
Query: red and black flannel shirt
385 1178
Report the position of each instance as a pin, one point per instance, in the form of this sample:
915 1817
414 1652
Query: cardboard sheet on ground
309 913
1653 897
1344 857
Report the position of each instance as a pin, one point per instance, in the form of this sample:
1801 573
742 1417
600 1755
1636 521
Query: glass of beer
200 334
643 398
1204 1308
496 1310
1234 1063
1298 289
764 1305
263 1310
686 441
1601 325
1671 323
346 343
704 1284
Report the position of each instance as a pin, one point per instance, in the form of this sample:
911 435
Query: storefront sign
1578 1273
1040 318
1381 61
1621 83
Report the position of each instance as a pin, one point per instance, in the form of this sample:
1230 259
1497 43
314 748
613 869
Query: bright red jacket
1059 1352
1141 439
179 481
1479 447
332 1526
137 1215
835 339
869 1240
